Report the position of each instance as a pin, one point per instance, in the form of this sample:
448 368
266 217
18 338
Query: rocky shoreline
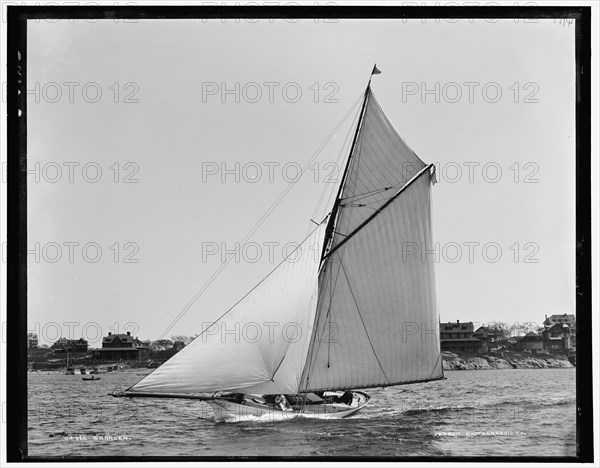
451 361
503 360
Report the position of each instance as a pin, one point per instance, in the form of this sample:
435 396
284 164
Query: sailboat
363 310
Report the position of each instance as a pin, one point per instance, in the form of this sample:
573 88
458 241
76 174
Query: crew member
282 403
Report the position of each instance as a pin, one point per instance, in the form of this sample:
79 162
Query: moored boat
91 377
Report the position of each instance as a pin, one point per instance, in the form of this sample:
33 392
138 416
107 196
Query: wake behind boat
364 311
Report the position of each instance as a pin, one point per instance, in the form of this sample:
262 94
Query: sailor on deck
282 403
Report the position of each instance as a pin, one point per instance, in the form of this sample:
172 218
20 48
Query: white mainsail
377 318
260 345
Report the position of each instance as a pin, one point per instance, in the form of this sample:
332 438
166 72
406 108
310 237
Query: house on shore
488 339
531 343
564 319
569 319
458 337
121 347
557 337
63 345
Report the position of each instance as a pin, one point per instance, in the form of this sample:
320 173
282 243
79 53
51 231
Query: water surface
512 412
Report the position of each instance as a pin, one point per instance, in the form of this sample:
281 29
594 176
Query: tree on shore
183 338
521 329
499 330
161 345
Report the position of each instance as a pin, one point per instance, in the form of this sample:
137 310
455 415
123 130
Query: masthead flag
376 71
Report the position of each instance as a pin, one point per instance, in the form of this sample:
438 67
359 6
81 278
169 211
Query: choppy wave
507 412
439 409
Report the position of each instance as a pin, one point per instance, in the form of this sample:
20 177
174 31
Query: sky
159 130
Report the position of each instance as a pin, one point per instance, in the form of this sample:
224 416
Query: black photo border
16 376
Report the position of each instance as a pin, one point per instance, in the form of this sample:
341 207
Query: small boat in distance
359 311
91 377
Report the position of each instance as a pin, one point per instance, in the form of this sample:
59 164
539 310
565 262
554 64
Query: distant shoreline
503 360
451 361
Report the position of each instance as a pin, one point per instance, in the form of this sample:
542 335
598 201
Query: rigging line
337 233
329 314
257 345
334 210
338 160
367 204
311 352
261 281
343 151
359 206
329 308
258 224
353 177
439 322
337 163
434 367
360 196
276 369
363 322
311 348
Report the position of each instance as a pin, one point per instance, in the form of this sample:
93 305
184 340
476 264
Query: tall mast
329 231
